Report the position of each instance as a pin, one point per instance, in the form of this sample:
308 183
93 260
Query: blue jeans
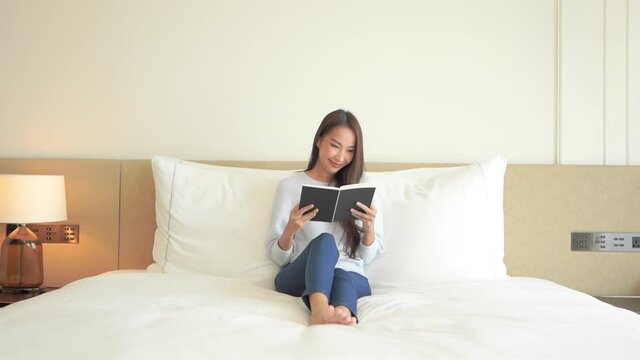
315 271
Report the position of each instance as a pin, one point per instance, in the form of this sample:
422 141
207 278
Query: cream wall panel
582 82
615 129
634 82
446 81
545 204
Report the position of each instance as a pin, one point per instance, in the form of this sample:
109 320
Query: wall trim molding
558 89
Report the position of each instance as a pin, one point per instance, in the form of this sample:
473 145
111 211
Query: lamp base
21 261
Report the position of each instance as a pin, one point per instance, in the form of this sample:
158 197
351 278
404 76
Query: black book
335 204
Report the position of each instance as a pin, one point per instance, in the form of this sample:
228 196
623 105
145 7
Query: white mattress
146 315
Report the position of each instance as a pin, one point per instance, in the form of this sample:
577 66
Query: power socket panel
53 233
605 241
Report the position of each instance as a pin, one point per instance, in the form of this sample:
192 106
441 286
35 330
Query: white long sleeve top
287 196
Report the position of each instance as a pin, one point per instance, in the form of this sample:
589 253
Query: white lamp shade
27 199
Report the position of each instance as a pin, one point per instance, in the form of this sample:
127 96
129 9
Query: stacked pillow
211 219
442 224
439 223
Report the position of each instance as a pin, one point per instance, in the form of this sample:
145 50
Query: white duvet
146 315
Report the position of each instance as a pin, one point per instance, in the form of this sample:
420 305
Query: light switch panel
605 241
53 233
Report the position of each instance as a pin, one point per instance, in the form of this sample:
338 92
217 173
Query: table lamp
26 199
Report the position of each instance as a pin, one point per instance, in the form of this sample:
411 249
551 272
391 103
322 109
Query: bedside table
626 302
12 296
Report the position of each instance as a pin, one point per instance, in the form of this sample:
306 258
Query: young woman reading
324 262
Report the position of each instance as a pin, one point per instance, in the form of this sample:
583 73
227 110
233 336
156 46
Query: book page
348 199
323 197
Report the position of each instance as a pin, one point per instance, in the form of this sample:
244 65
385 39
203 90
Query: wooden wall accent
113 201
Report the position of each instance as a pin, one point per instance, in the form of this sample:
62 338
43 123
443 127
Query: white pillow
213 219
441 224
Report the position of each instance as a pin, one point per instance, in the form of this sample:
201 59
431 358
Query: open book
335 204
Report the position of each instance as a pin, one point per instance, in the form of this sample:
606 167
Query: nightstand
626 302
12 296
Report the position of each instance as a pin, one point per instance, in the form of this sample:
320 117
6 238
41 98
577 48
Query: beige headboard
113 201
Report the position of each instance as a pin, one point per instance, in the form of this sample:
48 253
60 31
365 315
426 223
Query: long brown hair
350 174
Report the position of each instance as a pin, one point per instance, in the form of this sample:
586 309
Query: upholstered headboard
113 201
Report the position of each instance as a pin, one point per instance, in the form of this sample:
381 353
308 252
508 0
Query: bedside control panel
53 233
605 241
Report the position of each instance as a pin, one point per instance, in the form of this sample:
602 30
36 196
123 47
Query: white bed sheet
147 315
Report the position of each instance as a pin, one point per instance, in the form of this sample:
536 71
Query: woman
324 262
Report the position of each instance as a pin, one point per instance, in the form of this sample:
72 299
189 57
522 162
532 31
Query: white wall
538 81
598 88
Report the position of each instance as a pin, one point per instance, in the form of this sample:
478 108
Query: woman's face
336 149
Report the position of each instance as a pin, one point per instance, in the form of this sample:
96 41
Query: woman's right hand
298 218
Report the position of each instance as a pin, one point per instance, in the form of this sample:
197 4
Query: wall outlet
605 241
53 233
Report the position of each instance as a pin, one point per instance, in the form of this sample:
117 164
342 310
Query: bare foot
331 315
345 315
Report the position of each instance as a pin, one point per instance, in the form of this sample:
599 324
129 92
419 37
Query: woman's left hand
367 215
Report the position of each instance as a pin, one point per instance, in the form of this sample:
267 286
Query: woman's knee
325 242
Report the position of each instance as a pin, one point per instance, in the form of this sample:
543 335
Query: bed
441 290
